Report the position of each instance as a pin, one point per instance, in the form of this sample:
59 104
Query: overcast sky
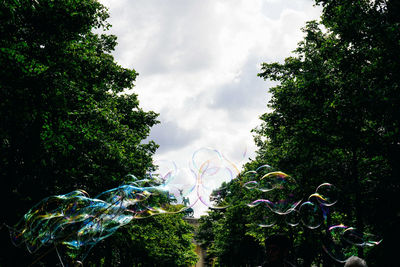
198 62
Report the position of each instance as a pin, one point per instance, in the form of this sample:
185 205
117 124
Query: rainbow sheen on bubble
311 215
278 200
74 222
293 218
327 194
344 241
213 172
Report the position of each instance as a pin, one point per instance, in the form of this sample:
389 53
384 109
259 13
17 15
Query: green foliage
334 118
66 123
335 115
163 240
225 233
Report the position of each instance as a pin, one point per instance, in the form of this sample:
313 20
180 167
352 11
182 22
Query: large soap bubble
213 172
75 222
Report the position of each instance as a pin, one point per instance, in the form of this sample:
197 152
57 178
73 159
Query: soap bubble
213 172
336 246
262 213
311 214
77 222
328 194
293 218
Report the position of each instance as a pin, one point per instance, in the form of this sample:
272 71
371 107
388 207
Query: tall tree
65 122
335 118
335 114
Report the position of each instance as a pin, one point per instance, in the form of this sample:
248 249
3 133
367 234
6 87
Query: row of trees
65 123
334 117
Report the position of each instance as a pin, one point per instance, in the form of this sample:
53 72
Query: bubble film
327 194
343 242
311 215
280 202
75 222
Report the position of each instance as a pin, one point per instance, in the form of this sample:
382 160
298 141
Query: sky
198 62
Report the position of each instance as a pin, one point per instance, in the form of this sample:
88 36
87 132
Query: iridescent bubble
268 220
250 176
336 246
251 185
311 215
213 174
262 213
282 190
261 202
78 222
181 188
206 160
293 218
328 194
263 169
258 179
355 237
165 172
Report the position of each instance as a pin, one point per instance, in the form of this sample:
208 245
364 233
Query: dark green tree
66 123
334 113
162 240
334 118
225 233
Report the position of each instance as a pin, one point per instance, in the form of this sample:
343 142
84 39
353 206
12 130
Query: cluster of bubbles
209 170
77 222
281 201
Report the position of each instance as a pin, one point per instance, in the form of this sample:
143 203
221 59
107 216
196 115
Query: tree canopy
65 121
335 118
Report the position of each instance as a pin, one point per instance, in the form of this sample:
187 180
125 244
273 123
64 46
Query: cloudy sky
198 62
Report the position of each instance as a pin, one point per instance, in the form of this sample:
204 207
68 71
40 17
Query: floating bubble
77 222
268 220
311 215
263 169
336 246
262 213
258 202
355 237
165 172
250 176
328 194
214 199
206 160
251 185
181 187
282 190
293 218
213 173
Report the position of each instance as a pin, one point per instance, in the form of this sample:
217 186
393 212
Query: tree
225 234
162 240
335 118
334 112
65 121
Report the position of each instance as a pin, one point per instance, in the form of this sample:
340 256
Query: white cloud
198 62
